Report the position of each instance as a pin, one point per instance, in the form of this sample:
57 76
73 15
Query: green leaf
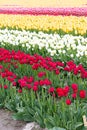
49 122
57 128
18 116
39 119
78 124
28 118
1 105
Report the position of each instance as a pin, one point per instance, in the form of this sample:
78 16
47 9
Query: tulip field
43 63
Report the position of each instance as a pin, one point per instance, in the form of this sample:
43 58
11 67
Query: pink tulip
77 11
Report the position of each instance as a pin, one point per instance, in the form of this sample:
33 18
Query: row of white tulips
54 43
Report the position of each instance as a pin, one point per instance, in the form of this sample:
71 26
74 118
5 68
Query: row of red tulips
30 83
37 61
13 58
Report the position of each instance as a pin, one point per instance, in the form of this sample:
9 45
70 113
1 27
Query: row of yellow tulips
45 23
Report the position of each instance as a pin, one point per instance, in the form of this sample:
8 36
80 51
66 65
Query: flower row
36 61
37 88
54 44
41 72
67 24
29 83
29 103
46 11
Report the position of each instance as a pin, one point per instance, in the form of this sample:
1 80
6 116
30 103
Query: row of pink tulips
45 11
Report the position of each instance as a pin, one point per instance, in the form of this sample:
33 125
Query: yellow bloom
45 23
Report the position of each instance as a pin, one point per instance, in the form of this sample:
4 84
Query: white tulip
72 55
64 51
86 52
51 42
77 55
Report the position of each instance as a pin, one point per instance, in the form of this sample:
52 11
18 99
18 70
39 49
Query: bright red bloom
3 74
52 64
75 71
41 74
51 90
66 90
60 92
25 78
67 69
69 63
29 86
35 88
63 91
60 63
57 71
1 67
14 76
22 82
31 62
84 74
82 94
35 66
68 101
30 80
36 83
75 88
80 67
8 73
9 78
47 82
14 83
5 86
41 82
19 90
72 67
74 95
48 58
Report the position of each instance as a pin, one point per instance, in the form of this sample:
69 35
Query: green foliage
42 107
43 52
57 128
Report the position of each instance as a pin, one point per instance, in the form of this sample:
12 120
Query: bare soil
7 123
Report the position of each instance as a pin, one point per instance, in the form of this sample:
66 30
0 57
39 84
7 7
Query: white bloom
86 53
23 45
49 50
73 46
64 51
27 45
53 52
72 55
77 55
59 51
81 53
51 42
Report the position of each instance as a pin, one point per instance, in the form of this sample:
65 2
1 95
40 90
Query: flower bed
29 82
61 47
46 11
58 24
43 69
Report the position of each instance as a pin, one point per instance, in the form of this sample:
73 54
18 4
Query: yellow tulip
45 23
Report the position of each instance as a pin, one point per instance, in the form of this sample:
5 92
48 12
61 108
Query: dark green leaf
78 124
